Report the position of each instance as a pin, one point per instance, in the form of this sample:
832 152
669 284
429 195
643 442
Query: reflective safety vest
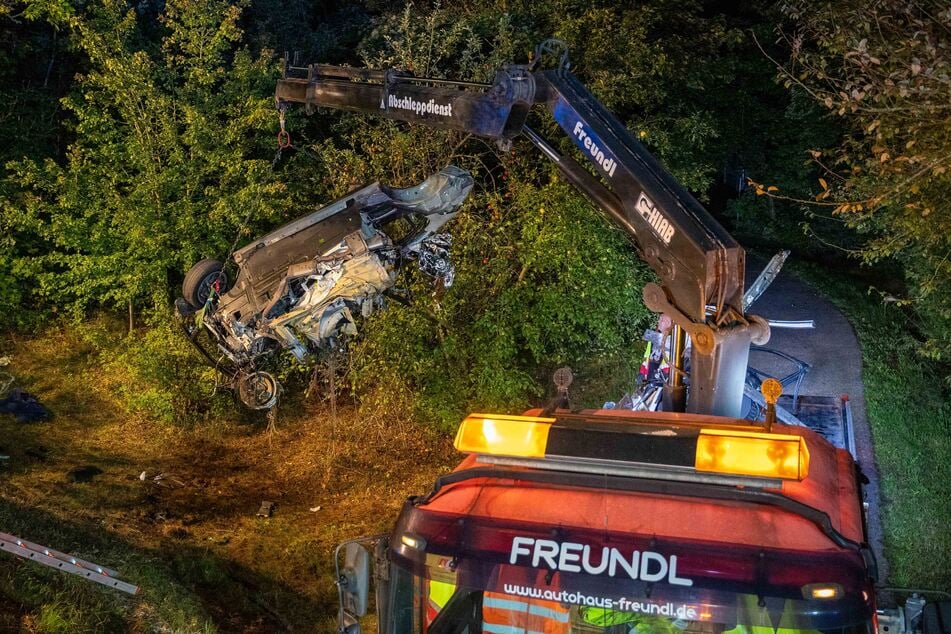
438 595
766 629
604 617
754 619
508 614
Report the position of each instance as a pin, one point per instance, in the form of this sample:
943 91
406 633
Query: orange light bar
754 454
501 435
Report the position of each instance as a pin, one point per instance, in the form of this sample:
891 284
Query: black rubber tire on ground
199 279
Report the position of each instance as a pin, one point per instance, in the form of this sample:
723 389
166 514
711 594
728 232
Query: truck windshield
514 600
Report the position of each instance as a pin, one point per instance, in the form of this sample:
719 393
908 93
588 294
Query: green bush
909 410
168 158
174 382
155 373
170 125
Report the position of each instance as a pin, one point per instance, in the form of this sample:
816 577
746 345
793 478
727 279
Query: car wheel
201 279
258 390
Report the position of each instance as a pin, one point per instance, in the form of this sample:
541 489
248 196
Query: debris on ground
314 509
40 453
84 473
266 510
161 479
24 407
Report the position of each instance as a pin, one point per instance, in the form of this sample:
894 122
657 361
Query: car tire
258 390
199 280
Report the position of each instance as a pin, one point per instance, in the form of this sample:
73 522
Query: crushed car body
304 285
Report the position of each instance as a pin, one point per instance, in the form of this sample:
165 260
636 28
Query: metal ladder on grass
61 561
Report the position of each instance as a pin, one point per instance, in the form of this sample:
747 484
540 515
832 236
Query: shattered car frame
303 285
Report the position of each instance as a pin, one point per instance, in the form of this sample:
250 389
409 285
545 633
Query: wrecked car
304 285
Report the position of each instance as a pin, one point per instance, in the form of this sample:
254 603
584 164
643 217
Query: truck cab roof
830 487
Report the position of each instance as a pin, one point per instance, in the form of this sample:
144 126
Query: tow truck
690 519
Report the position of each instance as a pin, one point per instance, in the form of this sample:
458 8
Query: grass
204 561
909 410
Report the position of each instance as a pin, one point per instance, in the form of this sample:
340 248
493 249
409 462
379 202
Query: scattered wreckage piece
302 286
161 479
84 473
24 407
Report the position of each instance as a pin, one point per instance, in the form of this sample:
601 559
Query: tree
173 120
541 278
167 164
884 69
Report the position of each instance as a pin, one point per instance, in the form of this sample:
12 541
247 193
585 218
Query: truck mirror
936 618
347 624
353 583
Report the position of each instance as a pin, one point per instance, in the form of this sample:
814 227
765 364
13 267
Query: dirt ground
191 539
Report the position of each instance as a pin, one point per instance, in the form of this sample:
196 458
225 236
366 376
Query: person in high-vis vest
504 613
509 614
754 618
438 594
439 587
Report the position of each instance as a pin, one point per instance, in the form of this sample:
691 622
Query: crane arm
700 265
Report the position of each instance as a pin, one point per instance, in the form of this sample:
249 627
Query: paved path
832 350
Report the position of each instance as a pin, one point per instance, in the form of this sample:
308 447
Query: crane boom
700 265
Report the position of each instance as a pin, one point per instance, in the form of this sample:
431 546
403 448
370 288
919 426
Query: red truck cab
608 521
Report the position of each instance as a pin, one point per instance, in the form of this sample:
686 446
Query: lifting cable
283 143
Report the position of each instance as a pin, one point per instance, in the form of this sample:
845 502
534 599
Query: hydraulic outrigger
700 266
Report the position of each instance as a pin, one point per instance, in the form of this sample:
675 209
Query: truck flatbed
829 416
